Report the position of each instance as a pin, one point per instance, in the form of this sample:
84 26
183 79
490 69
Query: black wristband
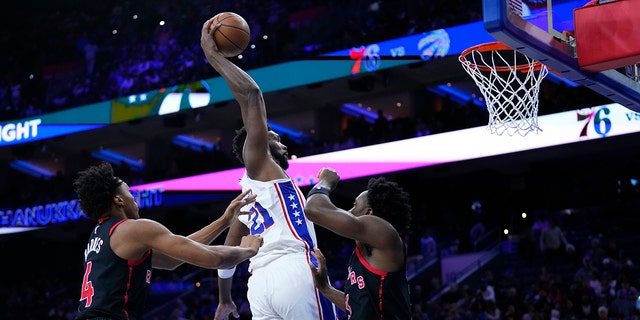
318 189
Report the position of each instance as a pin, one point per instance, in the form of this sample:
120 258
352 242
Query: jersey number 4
258 227
87 287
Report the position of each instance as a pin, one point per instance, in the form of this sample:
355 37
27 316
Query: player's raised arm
249 96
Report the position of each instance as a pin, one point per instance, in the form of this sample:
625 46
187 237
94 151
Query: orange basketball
233 35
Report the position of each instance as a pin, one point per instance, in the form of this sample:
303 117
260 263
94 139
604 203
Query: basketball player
281 285
376 286
123 248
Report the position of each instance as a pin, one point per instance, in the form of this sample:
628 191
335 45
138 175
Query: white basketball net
510 84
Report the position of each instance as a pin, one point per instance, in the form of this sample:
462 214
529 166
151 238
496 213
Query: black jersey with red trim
375 294
112 287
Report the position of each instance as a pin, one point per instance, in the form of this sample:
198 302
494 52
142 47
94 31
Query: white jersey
281 284
278 217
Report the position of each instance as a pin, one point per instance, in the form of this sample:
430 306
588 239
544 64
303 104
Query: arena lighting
458 96
356 111
462 98
282 130
117 159
192 143
10 230
31 169
560 80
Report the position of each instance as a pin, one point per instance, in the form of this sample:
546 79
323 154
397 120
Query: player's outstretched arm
369 229
209 233
142 234
321 280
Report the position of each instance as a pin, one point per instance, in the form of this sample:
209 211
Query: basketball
233 35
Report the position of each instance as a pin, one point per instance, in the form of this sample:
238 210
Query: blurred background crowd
68 53
100 51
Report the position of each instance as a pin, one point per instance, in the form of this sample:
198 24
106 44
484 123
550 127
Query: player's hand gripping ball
233 35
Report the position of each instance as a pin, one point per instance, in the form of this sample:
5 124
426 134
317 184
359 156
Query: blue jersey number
258 227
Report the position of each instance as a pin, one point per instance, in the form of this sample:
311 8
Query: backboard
539 29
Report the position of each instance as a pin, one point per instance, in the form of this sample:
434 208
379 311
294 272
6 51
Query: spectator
381 128
428 245
553 243
476 233
90 53
624 302
603 313
585 271
487 290
492 312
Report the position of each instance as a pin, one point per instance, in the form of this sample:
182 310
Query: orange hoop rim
496 46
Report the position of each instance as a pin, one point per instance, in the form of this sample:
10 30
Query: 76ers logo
369 56
598 116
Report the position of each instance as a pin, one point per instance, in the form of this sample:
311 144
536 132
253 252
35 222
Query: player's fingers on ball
215 26
211 26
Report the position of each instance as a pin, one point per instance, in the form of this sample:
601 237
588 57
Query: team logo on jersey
353 278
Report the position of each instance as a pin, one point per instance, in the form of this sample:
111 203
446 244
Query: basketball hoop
510 84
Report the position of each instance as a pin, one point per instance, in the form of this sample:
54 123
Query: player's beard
281 158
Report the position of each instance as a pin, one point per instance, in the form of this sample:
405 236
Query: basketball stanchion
510 84
633 72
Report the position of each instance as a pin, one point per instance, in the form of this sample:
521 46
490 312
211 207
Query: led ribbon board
560 128
55 124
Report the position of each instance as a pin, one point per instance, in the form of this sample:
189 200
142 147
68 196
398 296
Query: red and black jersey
112 287
375 294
